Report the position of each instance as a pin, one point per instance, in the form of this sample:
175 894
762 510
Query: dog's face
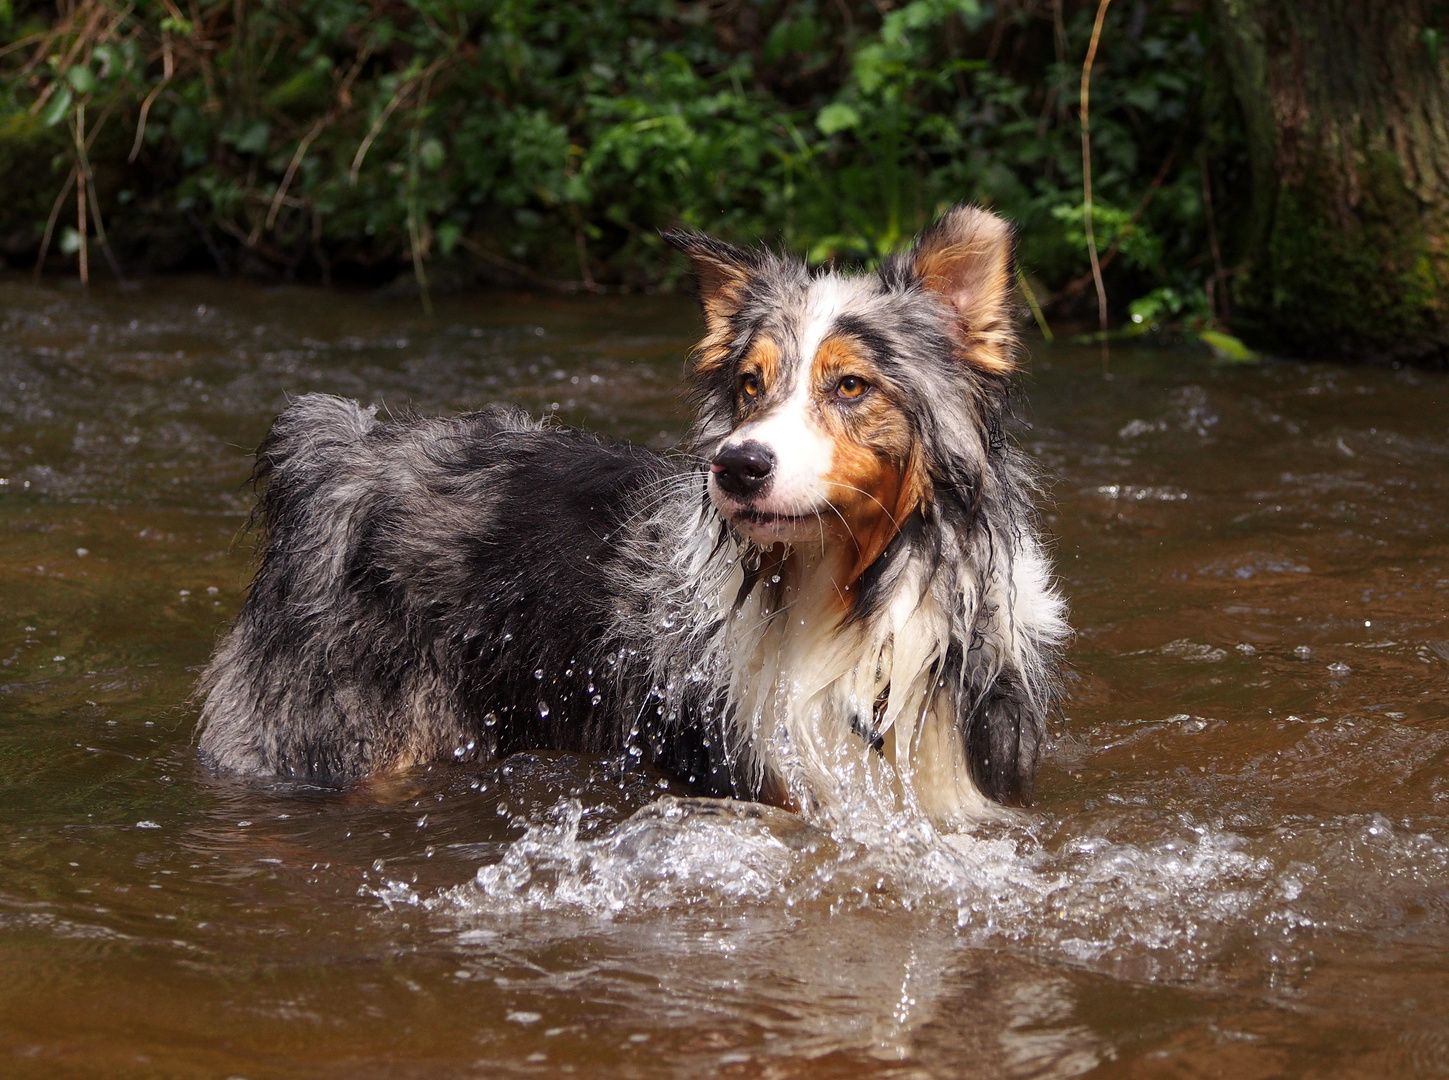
823 393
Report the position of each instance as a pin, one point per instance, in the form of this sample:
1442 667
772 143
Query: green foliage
556 138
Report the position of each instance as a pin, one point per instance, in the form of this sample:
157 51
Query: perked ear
722 271
965 259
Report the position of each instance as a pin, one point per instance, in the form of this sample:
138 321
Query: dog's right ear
722 271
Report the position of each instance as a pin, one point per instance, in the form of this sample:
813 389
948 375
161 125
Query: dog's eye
750 385
851 386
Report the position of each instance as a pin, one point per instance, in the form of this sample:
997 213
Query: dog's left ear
965 259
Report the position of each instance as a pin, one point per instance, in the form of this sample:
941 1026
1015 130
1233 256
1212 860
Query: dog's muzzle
744 470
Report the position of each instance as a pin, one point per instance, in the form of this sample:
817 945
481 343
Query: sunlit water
1238 866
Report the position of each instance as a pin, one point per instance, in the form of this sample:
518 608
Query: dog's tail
265 676
301 442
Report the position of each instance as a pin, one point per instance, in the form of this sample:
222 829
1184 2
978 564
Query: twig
344 90
20 43
54 217
64 191
1077 284
292 167
1031 302
93 204
1087 173
80 194
344 98
415 230
89 176
376 129
1218 272
168 68
97 13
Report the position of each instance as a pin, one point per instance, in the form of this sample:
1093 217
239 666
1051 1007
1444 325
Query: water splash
1128 893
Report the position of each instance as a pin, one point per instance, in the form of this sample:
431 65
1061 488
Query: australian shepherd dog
839 591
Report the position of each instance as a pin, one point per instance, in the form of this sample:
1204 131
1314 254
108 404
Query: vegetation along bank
1273 169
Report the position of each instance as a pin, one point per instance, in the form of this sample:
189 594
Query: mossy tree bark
1346 105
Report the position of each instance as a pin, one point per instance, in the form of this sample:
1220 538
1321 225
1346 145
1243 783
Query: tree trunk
1346 106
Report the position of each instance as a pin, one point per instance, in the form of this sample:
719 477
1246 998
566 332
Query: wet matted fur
841 592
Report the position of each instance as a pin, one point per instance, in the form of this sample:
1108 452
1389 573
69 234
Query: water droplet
1303 652
538 673
543 710
1338 669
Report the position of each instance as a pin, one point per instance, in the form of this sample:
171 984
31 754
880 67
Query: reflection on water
1239 865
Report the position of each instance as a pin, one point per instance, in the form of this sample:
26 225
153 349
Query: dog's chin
767 529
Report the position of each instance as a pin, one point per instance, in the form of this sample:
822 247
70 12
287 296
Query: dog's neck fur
825 707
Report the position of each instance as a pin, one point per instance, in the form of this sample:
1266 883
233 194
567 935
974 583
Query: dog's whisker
868 495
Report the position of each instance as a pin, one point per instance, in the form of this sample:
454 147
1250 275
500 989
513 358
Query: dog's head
832 405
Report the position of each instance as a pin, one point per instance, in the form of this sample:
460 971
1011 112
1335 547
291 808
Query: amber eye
851 386
750 385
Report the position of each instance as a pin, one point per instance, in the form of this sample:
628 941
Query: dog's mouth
766 528
762 517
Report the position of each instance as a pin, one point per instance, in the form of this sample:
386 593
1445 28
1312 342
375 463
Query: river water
1238 865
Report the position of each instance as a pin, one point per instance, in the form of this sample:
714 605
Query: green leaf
1430 38
55 109
81 77
836 117
432 155
1227 348
448 234
254 138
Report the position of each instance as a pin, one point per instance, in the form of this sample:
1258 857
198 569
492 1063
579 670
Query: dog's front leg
1003 734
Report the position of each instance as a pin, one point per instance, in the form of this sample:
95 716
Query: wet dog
841 592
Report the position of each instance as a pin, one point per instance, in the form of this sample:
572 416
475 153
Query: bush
549 141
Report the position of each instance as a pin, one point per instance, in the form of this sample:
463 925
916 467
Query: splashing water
1134 896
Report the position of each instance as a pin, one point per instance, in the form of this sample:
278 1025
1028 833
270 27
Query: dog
840 590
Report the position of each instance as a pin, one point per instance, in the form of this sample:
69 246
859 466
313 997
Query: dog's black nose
743 470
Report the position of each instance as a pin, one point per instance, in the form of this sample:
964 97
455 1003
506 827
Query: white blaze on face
792 431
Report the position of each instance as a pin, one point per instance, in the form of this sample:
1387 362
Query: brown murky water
1239 865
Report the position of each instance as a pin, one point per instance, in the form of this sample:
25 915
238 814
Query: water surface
1239 863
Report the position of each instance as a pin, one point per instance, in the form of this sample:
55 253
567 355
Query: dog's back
427 589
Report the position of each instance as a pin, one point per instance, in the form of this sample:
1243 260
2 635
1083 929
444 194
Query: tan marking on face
763 362
877 478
